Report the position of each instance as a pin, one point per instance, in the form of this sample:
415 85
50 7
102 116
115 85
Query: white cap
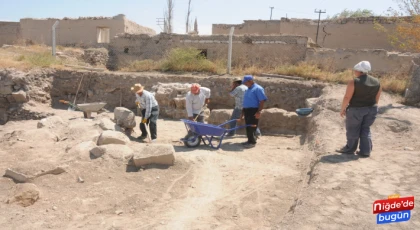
363 66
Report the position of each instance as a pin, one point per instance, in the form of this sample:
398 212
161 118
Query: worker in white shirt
149 110
196 100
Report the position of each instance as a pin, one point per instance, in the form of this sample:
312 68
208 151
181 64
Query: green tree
406 34
353 14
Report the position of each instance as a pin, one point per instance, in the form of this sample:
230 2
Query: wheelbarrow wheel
192 140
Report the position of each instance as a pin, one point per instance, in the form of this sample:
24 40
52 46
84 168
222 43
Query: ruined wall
354 33
382 61
285 94
81 31
134 28
18 89
9 32
247 50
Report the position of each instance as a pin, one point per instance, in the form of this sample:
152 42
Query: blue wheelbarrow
198 132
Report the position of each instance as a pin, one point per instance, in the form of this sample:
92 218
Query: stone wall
272 121
285 94
49 86
247 50
80 32
9 32
353 33
382 61
18 93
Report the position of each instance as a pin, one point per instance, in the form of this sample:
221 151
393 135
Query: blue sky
208 12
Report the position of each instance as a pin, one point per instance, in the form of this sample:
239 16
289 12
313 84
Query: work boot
142 137
249 145
344 150
362 155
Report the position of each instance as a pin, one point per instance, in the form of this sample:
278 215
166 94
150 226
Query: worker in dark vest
360 107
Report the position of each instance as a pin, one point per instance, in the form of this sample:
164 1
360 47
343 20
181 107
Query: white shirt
194 103
147 102
239 93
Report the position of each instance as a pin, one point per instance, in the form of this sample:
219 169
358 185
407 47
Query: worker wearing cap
196 101
253 104
149 111
360 106
237 91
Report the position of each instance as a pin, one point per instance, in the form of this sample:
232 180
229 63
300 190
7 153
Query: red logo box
393 205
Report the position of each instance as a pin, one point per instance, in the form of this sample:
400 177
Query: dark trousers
358 122
250 119
199 117
151 121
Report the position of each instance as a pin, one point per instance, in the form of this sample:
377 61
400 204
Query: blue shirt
253 96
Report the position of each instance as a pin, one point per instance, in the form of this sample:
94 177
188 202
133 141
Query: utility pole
319 19
271 13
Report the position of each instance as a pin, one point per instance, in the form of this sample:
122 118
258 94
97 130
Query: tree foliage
406 35
353 14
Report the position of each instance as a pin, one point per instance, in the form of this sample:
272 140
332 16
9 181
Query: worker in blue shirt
253 104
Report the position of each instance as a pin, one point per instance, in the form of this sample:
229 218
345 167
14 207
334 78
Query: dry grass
142 66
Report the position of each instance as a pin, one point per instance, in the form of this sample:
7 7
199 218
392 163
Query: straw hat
137 88
237 79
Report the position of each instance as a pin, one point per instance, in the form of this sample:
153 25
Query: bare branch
188 17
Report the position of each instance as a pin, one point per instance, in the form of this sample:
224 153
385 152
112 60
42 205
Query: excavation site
85 168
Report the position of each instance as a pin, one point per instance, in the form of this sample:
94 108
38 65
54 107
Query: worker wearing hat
237 90
149 110
360 106
196 100
253 104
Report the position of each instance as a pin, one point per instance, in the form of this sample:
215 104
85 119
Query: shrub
187 60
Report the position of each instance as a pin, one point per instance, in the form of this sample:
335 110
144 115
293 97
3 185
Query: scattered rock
107 124
161 154
114 151
80 180
16 175
112 137
408 149
124 117
27 171
20 96
81 150
51 122
54 208
24 194
119 212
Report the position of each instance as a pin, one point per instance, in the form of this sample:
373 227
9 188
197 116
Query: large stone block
161 154
219 116
107 124
124 117
20 96
114 151
112 137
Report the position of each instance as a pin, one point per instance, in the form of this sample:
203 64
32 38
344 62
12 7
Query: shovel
72 107
202 110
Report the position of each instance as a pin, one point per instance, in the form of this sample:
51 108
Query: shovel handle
63 101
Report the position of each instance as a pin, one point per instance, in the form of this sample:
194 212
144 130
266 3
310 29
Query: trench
279 119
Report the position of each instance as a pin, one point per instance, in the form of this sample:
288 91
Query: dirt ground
286 182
